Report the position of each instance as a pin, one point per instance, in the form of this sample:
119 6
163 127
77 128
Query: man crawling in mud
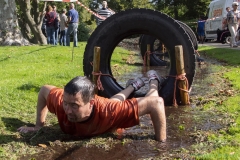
82 113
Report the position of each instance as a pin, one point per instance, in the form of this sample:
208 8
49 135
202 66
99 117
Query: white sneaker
136 83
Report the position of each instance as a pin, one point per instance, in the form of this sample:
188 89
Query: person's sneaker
151 74
136 83
235 46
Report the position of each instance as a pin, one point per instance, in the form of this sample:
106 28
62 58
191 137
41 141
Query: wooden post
148 55
96 65
163 51
180 70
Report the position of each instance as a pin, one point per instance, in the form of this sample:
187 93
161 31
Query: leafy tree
31 16
196 8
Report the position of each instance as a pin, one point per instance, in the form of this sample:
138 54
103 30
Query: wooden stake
148 56
180 70
96 65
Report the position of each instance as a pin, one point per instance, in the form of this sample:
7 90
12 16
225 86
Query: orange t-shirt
108 115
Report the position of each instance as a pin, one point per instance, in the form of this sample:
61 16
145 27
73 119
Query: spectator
220 33
63 28
200 29
72 25
104 12
50 17
83 114
44 27
58 26
233 21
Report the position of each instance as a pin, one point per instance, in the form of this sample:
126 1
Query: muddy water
183 125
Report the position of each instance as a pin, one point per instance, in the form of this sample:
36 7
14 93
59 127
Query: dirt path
186 126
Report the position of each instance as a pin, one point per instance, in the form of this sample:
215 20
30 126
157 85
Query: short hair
81 85
64 10
235 4
104 3
72 5
49 8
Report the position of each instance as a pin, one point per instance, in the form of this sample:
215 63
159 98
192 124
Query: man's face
75 109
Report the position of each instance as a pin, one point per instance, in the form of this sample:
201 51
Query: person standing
56 26
50 16
72 25
104 12
233 20
63 28
200 29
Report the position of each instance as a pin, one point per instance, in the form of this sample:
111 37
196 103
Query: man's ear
91 102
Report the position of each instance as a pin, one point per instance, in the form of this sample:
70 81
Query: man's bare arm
154 106
42 110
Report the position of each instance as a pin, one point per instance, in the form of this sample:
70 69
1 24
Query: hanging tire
139 21
190 33
147 39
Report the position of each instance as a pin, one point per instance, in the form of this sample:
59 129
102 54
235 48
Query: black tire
191 34
154 60
139 21
147 39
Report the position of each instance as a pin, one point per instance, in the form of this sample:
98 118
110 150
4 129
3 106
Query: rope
99 83
196 51
181 77
145 57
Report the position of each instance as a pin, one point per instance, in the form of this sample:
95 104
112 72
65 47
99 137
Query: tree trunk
34 21
9 29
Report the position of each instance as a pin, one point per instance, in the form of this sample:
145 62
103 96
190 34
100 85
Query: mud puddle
184 126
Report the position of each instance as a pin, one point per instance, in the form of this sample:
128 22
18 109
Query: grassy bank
224 143
23 71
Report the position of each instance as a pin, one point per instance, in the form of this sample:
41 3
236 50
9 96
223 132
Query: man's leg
75 39
154 105
69 31
61 38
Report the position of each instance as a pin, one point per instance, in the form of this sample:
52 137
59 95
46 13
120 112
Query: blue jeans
72 28
51 35
56 36
62 40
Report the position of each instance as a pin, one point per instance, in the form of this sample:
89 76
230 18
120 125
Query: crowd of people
66 24
230 23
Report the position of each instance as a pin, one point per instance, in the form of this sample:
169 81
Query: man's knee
156 101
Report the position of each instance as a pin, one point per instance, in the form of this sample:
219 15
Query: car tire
139 21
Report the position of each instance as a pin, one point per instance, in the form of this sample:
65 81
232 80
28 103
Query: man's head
54 8
104 4
78 99
64 10
228 9
71 6
235 4
49 8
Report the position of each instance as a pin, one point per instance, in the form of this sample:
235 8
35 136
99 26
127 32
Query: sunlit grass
23 71
226 142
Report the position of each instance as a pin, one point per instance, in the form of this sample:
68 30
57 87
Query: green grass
23 71
226 142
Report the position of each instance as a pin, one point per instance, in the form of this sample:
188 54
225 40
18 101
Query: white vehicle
215 15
